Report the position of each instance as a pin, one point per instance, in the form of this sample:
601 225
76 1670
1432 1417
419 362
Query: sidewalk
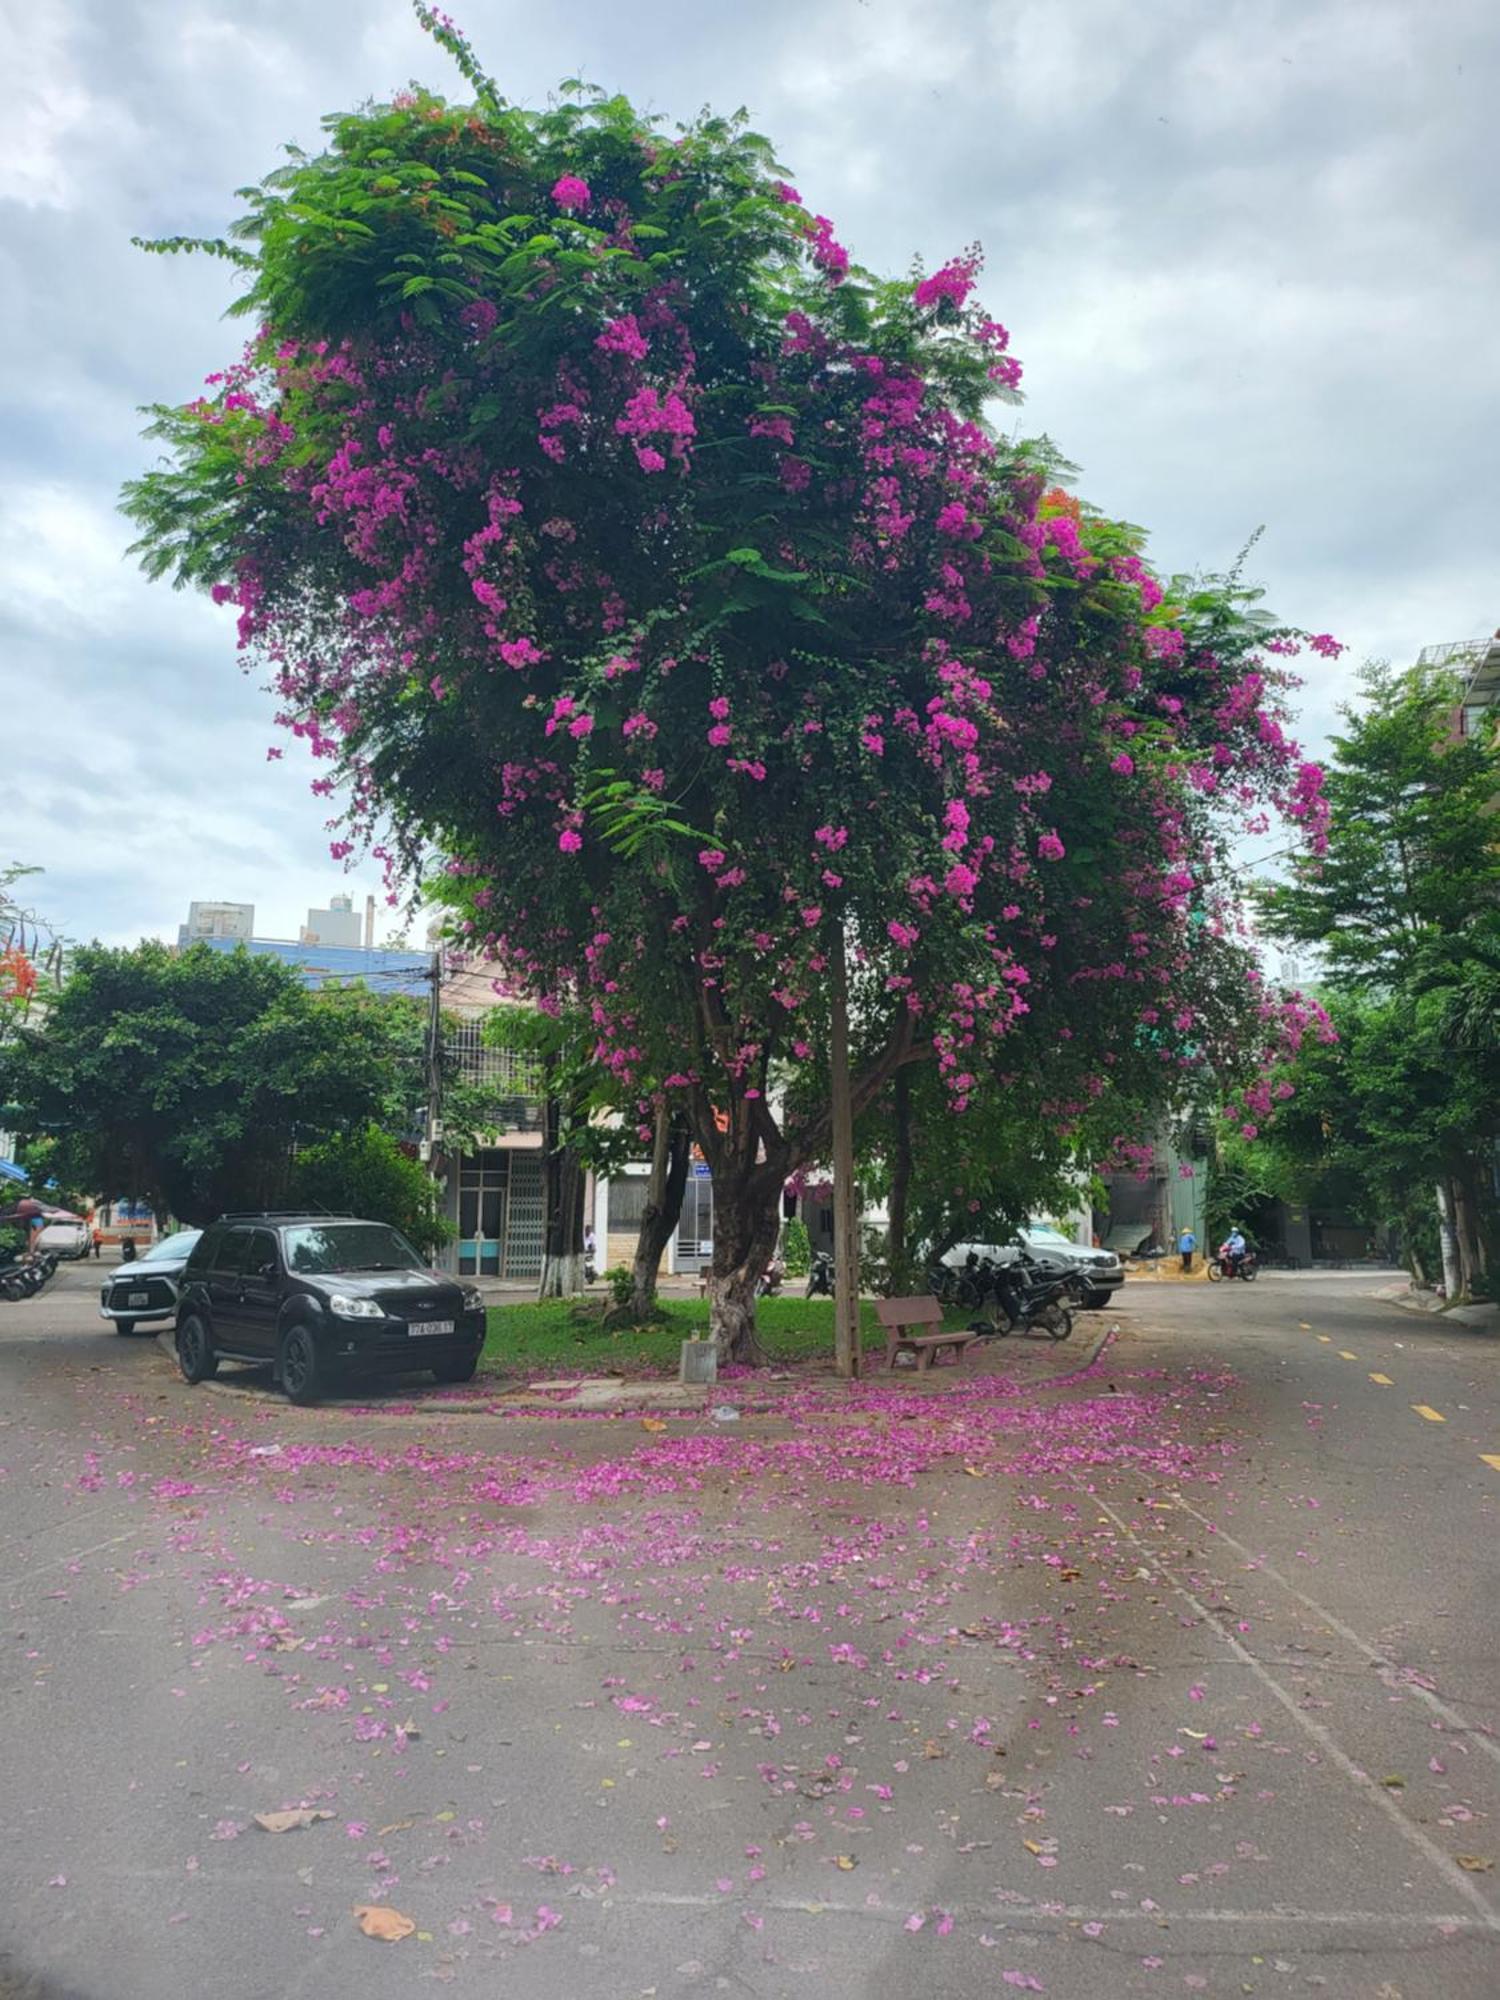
1486 1316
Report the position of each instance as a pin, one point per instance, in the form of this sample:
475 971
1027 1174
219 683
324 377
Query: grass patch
554 1336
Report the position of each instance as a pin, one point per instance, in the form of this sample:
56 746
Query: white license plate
419 1327
140 1298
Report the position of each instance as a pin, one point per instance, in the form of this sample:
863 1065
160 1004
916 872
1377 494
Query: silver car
144 1291
1101 1270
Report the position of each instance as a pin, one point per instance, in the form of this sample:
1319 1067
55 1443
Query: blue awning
9 1171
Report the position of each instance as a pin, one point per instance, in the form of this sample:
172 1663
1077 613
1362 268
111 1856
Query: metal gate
695 1230
500 1215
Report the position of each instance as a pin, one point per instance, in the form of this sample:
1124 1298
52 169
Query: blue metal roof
406 972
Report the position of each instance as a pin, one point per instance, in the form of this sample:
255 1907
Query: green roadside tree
1403 909
365 1172
191 1079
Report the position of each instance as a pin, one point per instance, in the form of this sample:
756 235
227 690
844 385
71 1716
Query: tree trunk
664 1191
1466 1229
747 1217
562 1211
1452 1278
900 1173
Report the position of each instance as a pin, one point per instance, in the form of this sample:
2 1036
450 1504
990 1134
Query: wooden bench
916 1325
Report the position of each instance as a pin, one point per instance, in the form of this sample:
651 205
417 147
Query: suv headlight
343 1306
473 1299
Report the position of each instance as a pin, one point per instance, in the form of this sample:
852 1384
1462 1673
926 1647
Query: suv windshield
348 1246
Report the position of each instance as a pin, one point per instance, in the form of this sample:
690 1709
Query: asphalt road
1181 1677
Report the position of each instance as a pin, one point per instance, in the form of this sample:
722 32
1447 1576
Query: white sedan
1101 1270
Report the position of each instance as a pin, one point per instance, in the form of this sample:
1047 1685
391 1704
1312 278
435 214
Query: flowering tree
608 531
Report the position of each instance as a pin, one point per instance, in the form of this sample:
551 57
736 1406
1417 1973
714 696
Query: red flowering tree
617 541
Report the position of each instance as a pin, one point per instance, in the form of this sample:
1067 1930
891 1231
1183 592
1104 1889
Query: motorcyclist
1235 1249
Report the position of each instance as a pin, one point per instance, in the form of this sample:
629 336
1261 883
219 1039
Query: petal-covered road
1177 1677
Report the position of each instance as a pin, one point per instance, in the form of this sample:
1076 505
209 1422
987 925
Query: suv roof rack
309 1214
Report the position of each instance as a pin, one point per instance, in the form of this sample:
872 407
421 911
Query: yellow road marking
1345 1355
1426 1410
1491 1458
1326 1338
1304 1326
1384 1381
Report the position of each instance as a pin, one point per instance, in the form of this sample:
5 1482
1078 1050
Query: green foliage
1244 1181
621 1282
796 1248
1047 1109
364 1172
1407 877
1405 911
191 1079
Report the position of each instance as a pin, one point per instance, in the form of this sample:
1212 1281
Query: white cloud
44 107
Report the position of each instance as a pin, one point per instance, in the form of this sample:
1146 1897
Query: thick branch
811 1141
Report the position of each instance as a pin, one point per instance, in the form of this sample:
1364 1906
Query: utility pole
435 1052
845 1209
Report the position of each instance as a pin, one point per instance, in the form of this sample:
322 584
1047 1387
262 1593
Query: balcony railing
1455 653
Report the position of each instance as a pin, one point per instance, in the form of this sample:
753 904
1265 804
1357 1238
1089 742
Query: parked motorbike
940 1283
1027 1295
1224 1266
18 1280
820 1276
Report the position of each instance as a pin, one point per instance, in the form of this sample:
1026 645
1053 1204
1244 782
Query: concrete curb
619 1397
1485 1317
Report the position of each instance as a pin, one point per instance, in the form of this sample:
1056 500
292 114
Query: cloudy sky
1247 250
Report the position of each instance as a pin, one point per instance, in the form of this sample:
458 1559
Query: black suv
321 1297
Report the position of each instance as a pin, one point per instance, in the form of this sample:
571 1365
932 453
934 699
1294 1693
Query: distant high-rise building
217 920
339 924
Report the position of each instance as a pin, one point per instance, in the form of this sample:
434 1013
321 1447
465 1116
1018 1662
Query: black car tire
301 1376
195 1351
1094 1300
458 1370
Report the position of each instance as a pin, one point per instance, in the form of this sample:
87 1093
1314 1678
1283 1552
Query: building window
627 1202
508 1072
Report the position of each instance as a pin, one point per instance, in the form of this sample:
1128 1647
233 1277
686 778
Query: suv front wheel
300 1374
195 1351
